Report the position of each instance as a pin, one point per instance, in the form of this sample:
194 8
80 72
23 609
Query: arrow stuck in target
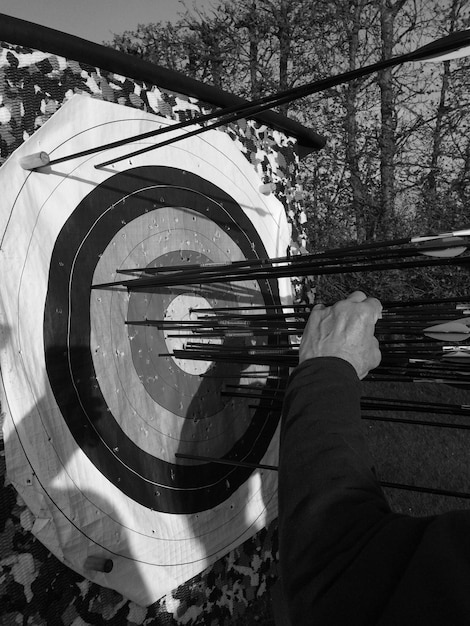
441 249
451 46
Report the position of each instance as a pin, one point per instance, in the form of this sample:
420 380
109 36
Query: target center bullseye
185 308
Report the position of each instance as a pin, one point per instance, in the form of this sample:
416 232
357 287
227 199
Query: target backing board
96 408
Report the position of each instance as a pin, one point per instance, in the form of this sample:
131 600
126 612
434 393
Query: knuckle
377 355
376 304
358 294
371 308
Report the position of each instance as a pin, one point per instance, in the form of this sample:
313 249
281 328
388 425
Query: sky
97 20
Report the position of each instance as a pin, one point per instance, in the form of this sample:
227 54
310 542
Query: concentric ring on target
75 347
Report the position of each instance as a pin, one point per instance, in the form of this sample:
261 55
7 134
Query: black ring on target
148 480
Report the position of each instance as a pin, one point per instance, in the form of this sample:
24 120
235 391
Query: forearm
329 499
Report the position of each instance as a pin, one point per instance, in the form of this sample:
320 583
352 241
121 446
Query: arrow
455 43
441 245
211 459
414 422
307 267
445 247
393 485
398 404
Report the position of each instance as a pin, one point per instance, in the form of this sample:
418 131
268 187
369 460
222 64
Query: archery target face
97 405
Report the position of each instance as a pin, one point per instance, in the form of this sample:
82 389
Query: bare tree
398 142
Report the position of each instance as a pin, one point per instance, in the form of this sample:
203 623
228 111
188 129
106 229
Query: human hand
344 330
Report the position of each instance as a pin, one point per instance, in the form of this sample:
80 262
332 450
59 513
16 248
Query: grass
421 455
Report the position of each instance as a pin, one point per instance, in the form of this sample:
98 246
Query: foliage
398 150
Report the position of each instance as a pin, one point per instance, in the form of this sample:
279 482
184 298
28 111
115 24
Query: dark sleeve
343 554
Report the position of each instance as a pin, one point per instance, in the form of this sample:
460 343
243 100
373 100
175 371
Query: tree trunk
430 183
284 36
388 13
360 200
432 209
253 37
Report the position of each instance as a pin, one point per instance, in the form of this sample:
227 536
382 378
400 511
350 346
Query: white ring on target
184 308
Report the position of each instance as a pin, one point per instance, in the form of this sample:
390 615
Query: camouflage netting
35 588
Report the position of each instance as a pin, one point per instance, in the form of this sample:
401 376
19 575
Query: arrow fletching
445 247
457 357
449 331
